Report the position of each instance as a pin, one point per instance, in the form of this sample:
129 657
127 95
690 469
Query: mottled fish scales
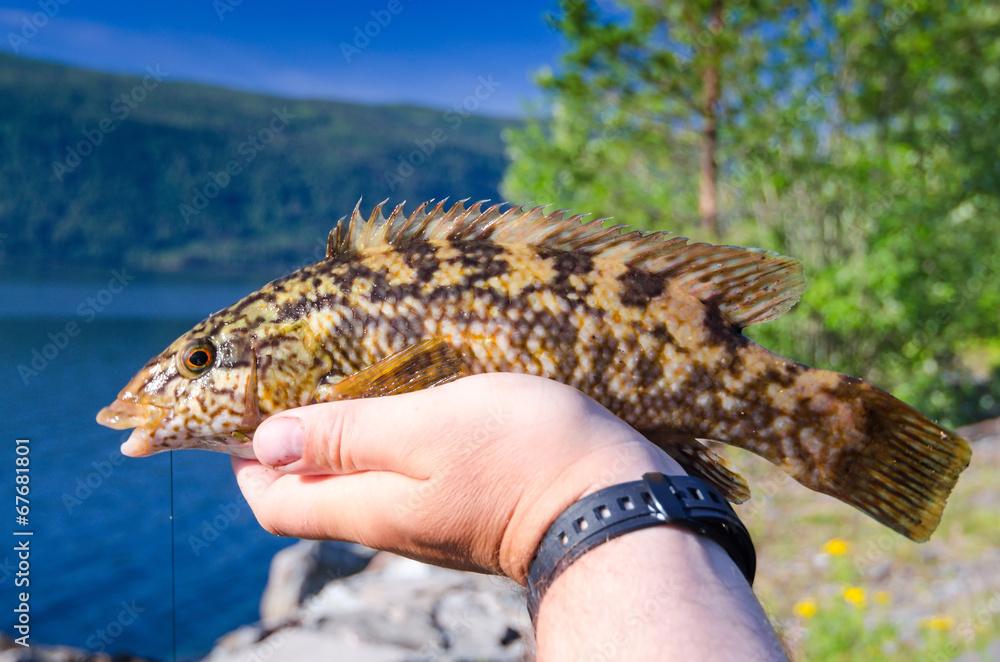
649 325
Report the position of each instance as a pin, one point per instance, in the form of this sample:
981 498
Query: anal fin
701 461
427 363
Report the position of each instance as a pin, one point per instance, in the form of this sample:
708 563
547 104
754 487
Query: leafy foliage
101 170
861 137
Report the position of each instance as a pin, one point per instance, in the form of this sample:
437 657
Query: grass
838 586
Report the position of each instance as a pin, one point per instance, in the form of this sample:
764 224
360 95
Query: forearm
661 593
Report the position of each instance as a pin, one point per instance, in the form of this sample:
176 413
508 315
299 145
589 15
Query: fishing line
173 567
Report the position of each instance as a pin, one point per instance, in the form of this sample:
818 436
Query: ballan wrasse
648 325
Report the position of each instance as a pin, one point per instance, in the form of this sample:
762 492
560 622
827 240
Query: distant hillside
101 170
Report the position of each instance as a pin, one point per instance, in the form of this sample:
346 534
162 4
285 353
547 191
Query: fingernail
279 441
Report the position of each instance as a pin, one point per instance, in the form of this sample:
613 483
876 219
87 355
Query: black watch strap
654 500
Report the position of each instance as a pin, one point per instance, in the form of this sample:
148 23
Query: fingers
344 437
253 477
381 434
363 507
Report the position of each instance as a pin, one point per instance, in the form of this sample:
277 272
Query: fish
648 324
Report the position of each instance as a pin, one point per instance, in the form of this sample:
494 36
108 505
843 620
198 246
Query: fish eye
196 358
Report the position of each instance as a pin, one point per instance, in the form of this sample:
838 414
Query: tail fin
905 469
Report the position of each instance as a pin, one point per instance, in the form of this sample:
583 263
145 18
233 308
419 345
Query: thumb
280 441
375 434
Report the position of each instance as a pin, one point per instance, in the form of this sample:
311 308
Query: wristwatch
656 499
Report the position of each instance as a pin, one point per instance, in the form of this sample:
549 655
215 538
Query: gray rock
397 609
475 623
11 652
302 570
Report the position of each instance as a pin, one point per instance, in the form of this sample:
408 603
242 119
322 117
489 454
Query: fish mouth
122 415
139 444
144 417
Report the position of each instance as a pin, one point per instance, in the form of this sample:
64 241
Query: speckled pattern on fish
649 325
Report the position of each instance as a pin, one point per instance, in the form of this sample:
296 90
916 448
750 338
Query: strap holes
696 493
625 503
581 524
715 497
602 512
647 498
563 538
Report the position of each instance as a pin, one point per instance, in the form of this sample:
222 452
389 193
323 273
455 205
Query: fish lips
144 417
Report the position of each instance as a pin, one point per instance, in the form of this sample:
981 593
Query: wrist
657 499
632 584
673 557
618 462
664 592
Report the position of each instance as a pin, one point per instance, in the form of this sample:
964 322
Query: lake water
101 551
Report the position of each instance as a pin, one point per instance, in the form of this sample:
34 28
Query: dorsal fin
748 285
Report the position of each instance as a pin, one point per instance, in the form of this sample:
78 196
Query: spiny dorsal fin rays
748 285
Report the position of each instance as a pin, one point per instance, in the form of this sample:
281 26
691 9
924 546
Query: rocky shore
337 601
340 601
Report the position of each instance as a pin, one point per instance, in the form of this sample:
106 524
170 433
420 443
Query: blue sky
419 51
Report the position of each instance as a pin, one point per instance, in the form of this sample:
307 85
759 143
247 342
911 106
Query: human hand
467 475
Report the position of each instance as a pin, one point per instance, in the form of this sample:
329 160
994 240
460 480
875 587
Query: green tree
860 137
642 105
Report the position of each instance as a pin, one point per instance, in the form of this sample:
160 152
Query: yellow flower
855 595
882 597
836 547
940 623
806 608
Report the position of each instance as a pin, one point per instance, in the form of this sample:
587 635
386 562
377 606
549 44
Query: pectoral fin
425 364
699 460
